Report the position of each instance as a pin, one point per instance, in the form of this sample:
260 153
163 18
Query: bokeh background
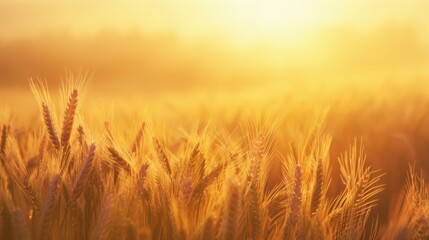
154 47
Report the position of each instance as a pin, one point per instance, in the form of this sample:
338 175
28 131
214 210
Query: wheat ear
68 118
3 143
317 190
196 164
207 180
162 157
29 192
120 161
109 135
81 134
295 207
255 217
297 196
138 138
141 177
49 123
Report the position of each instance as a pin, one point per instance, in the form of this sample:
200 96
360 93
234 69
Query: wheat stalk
83 175
162 157
102 229
138 138
231 215
206 231
131 231
48 208
20 225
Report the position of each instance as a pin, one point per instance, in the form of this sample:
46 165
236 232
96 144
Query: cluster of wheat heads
69 187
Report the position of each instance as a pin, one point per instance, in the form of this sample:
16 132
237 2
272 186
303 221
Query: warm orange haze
214 119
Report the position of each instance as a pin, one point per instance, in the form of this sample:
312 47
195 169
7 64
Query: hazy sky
240 20
174 44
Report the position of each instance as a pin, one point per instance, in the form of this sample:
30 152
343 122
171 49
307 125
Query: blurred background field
150 47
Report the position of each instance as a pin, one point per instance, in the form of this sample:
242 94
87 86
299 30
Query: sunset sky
239 19
173 44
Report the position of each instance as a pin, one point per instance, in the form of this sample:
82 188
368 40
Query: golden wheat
204 187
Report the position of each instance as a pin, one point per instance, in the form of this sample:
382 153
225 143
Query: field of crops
315 166
214 120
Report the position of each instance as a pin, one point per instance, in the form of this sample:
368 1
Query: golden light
214 119
223 41
271 20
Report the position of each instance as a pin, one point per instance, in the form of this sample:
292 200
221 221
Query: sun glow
213 42
272 20
280 14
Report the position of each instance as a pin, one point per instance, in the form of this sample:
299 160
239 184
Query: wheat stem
231 216
48 208
83 175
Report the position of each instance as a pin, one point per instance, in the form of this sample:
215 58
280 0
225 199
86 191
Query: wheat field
77 175
214 120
